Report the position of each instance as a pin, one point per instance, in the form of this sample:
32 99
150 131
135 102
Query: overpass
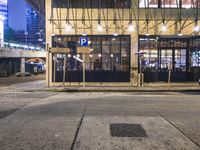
13 57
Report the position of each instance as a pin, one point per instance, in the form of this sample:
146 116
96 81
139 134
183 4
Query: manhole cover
127 130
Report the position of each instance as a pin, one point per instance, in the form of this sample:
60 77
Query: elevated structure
13 57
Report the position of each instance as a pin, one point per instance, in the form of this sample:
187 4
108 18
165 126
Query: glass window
180 60
195 58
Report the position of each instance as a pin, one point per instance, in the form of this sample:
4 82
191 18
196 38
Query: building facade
35 25
3 17
164 33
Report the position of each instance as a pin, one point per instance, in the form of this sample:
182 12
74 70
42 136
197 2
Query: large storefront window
160 53
91 3
107 61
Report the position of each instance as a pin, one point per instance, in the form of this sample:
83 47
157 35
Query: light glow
131 27
196 28
68 27
99 28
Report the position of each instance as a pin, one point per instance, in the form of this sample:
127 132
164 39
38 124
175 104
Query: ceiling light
68 27
196 28
99 28
164 28
130 27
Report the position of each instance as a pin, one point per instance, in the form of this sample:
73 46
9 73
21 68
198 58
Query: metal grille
127 130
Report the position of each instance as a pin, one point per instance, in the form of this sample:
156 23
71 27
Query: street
44 120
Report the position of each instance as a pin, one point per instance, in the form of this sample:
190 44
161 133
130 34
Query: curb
119 90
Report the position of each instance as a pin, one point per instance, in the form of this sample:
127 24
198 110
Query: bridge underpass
15 59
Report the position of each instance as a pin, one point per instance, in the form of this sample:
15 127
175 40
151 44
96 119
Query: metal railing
17 45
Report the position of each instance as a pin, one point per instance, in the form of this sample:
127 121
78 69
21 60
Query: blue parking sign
84 41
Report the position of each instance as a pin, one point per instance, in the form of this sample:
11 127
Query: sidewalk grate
127 130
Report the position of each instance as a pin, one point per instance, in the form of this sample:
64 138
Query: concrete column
134 58
22 65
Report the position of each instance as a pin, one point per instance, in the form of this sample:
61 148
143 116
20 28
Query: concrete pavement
43 120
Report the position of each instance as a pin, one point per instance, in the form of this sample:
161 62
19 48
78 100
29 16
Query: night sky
17 14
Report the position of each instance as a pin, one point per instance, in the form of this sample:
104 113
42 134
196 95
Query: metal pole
64 70
84 69
54 71
48 66
169 74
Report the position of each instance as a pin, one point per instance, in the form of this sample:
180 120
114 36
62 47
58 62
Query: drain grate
127 130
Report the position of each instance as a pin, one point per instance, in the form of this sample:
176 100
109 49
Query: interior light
180 34
99 28
69 55
84 34
68 27
40 40
147 34
99 55
111 55
115 34
78 55
53 34
90 55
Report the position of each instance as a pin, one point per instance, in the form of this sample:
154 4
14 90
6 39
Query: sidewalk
148 87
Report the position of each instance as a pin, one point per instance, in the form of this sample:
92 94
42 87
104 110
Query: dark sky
17 14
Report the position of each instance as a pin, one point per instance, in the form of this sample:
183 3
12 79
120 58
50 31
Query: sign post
169 74
84 44
54 70
64 70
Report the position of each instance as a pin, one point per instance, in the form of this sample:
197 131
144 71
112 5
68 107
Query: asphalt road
81 121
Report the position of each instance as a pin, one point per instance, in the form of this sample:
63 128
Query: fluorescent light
130 27
68 27
99 28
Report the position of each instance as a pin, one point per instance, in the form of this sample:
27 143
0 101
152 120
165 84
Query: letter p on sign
83 41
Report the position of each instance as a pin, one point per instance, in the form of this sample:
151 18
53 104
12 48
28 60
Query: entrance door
177 58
